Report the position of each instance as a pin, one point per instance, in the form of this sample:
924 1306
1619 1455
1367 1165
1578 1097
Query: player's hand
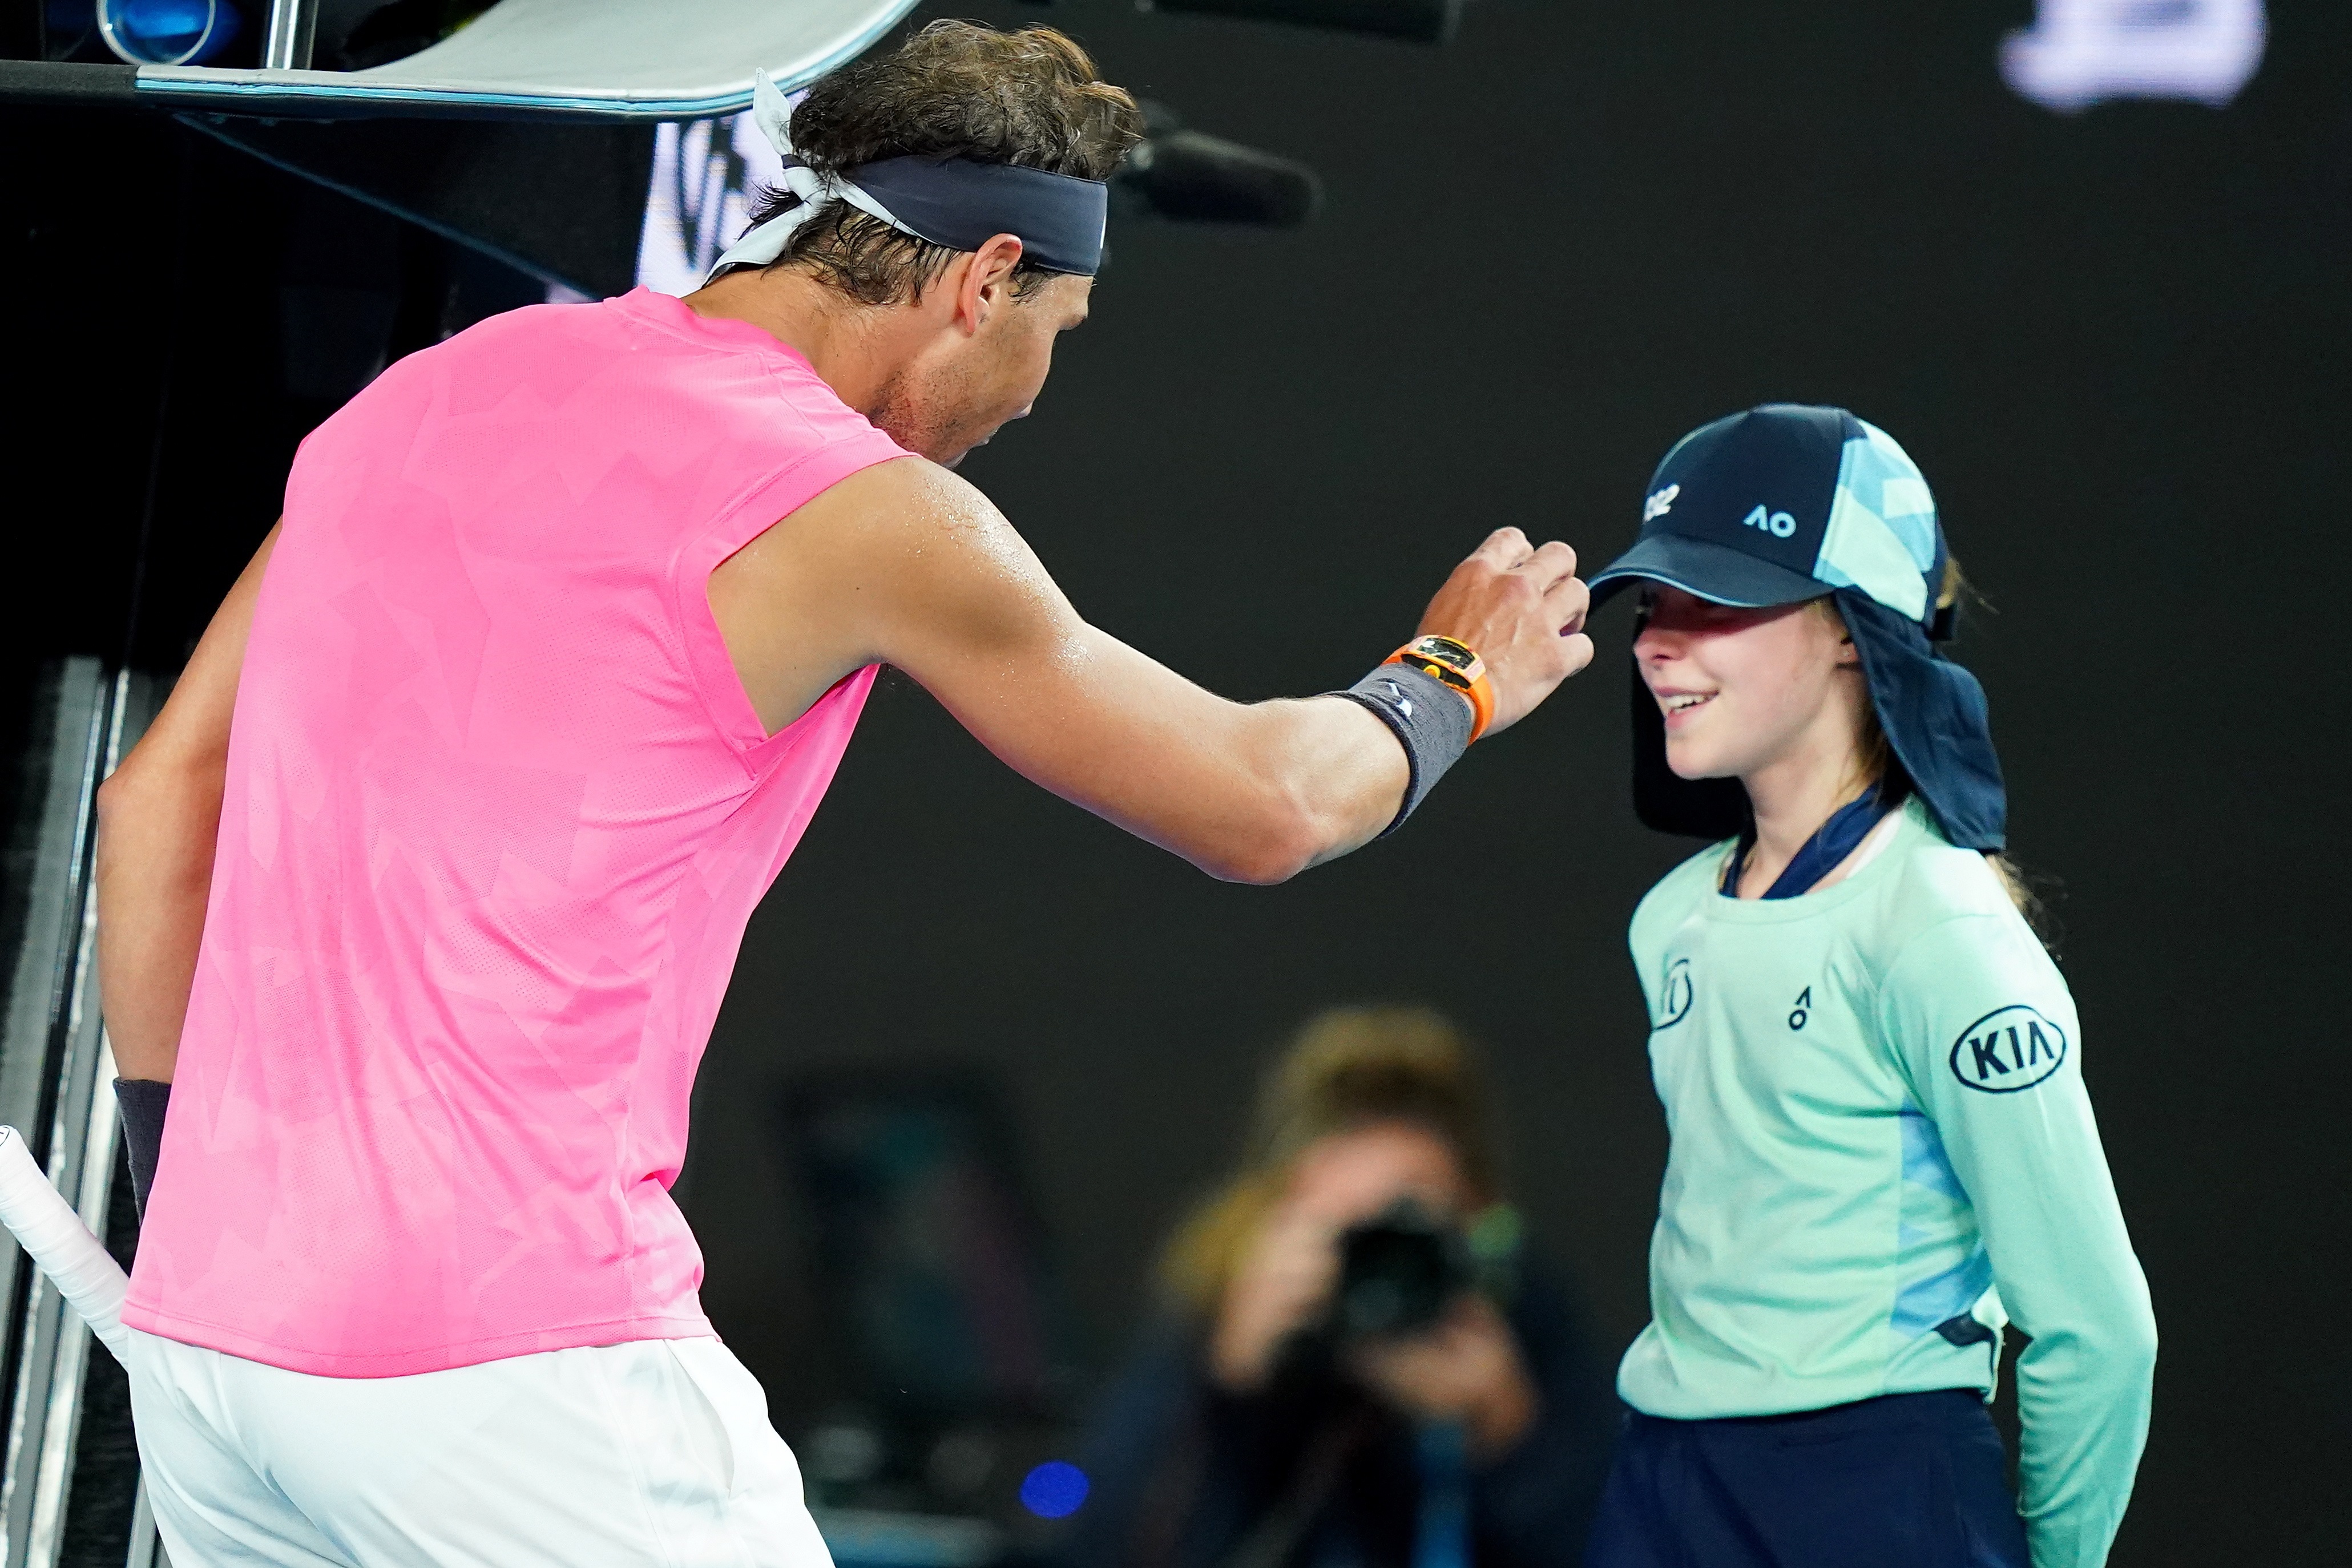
1520 608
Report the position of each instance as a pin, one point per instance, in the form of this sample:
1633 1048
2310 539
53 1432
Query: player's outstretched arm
906 564
158 822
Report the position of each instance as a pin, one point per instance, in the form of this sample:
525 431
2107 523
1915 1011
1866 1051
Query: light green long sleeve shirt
1880 1136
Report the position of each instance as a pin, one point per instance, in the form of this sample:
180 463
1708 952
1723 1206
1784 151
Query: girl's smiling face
1742 690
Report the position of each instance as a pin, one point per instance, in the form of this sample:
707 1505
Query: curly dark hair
1031 98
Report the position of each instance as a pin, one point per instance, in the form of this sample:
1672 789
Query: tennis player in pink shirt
418 901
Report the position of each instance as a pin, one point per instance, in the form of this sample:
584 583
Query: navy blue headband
959 203
963 204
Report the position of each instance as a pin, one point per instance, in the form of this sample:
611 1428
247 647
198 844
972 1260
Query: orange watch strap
1482 702
1476 686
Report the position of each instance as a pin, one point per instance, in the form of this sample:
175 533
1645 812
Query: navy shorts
1909 1481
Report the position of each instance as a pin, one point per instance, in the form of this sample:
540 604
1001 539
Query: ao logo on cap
2011 1049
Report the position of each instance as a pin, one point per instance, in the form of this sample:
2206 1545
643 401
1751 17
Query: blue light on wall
1054 1489
167 32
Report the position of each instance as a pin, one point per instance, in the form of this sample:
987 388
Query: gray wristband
1430 719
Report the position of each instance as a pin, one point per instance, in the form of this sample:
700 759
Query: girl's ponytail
2011 875
1879 765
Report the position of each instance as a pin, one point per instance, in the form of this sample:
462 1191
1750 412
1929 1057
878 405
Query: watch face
1444 650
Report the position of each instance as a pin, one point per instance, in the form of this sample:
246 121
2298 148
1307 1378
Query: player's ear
986 284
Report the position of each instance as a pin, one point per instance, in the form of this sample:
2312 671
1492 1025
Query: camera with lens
1398 1273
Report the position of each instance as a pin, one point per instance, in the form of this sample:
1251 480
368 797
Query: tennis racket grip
48 1229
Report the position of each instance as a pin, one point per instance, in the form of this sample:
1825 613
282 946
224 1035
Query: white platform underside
645 59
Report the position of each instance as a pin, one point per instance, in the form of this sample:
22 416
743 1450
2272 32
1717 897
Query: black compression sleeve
143 1102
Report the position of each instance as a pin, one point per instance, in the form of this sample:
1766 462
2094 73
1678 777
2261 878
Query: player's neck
857 350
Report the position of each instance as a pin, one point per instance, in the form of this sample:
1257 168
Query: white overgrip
53 1235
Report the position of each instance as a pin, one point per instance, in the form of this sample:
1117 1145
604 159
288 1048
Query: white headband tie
957 202
765 241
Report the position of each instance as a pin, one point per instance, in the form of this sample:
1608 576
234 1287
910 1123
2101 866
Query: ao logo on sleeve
1674 995
2011 1049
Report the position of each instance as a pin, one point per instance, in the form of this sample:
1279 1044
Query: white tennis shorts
654 1454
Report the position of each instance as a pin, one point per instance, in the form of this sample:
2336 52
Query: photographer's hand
1467 1369
1284 1278
1284 1281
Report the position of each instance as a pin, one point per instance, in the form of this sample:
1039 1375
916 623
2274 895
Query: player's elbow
155 798
141 786
1276 845
1258 866
1269 872
123 797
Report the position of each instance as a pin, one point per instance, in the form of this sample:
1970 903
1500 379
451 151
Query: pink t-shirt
498 810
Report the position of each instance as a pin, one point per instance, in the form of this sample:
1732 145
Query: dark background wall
2117 343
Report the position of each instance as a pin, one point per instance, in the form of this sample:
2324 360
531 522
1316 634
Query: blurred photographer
1358 1367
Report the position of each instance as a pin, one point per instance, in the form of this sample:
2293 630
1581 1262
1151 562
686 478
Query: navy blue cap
1789 502
1784 503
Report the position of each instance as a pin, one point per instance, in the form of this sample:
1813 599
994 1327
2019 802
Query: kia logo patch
2008 1049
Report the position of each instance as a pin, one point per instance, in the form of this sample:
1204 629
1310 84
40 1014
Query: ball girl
1882 1148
